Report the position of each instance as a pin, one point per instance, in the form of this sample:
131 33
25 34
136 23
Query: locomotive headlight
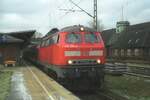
70 62
98 61
81 29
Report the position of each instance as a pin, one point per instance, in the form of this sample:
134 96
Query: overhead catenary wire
81 8
58 5
93 16
70 9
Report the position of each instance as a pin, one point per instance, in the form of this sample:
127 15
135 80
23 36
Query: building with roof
133 41
12 44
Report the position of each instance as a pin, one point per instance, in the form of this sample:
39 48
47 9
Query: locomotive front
81 56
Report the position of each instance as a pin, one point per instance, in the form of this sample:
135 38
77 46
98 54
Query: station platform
30 83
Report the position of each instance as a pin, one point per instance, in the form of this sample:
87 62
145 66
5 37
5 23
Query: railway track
99 95
138 75
141 71
134 70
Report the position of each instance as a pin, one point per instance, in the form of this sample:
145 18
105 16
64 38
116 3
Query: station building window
136 52
129 52
122 52
116 52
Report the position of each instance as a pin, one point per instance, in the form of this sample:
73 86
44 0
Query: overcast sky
42 15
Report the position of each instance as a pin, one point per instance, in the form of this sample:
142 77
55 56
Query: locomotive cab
83 48
80 47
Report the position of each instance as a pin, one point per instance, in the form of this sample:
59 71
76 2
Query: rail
125 68
100 95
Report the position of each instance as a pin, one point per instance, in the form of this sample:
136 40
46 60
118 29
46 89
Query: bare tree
100 25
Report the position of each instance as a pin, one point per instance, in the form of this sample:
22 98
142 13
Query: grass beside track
5 83
131 87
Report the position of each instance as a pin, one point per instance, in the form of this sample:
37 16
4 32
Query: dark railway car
31 53
75 55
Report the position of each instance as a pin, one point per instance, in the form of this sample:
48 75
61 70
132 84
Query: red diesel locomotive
74 55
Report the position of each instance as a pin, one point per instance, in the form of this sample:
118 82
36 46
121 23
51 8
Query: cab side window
42 44
54 39
46 42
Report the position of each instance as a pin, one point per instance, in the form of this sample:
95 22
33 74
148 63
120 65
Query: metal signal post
95 14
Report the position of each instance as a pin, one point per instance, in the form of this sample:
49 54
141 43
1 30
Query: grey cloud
22 6
45 14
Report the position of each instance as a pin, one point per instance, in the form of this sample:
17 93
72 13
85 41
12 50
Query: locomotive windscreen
87 38
91 38
73 38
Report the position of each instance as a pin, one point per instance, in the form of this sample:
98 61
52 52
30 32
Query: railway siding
139 69
128 68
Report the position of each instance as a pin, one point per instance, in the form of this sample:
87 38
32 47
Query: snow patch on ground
18 89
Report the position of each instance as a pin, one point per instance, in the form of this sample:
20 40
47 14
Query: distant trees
100 25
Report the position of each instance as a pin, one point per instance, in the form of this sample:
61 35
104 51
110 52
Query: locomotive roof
76 28
52 31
